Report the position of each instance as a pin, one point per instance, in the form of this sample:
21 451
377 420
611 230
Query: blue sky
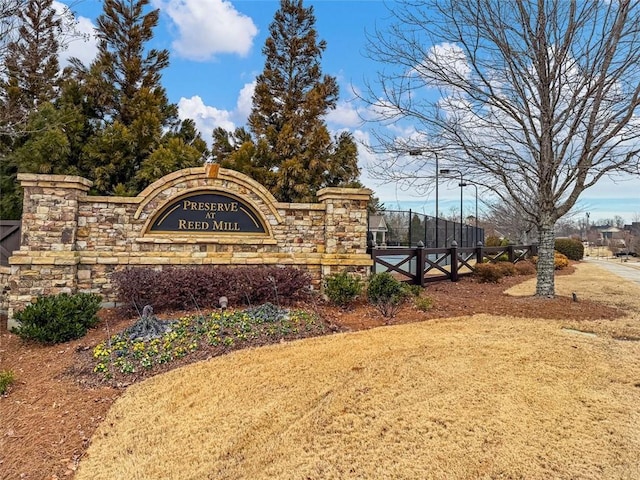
216 52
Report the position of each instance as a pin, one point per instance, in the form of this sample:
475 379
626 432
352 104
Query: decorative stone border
72 241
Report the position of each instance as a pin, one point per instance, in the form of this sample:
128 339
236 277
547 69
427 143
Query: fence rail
9 239
420 266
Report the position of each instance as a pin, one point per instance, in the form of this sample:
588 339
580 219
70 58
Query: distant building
606 235
633 229
378 229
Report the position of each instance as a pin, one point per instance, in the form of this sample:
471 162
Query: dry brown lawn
475 397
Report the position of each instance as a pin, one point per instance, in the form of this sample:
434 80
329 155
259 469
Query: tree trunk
545 286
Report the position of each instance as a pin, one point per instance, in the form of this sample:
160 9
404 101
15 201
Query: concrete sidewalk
629 270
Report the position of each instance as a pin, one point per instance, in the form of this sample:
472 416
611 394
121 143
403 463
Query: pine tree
293 154
124 64
182 149
124 84
52 142
31 61
29 49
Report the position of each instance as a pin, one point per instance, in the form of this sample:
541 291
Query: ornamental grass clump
525 267
488 273
560 261
507 269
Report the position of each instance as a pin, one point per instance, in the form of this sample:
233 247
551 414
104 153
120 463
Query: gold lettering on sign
193 225
209 206
205 213
226 226
215 225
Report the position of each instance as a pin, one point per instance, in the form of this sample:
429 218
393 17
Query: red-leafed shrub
177 288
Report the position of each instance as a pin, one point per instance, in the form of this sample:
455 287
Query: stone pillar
346 220
47 261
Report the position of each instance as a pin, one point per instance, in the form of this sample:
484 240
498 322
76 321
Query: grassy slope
467 398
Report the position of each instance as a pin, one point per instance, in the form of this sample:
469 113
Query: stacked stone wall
5 273
73 241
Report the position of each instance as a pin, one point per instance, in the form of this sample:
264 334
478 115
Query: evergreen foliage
31 61
29 31
11 198
124 83
109 122
290 149
343 288
58 318
387 293
572 248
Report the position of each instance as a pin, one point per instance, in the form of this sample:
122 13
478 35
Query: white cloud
206 118
344 115
206 28
245 102
81 42
448 58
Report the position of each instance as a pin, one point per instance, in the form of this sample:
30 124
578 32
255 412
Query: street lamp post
586 234
446 171
414 153
467 184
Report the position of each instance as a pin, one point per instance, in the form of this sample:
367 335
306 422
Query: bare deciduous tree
9 23
510 222
534 100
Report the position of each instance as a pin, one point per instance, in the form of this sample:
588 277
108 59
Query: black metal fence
395 228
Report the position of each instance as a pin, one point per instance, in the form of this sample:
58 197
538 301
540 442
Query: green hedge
571 248
58 318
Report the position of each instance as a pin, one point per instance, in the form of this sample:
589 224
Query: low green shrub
572 248
58 318
343 288
7 377
488 273
424 303
386 293
414 290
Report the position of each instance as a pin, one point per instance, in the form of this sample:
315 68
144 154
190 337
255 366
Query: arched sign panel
207 212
